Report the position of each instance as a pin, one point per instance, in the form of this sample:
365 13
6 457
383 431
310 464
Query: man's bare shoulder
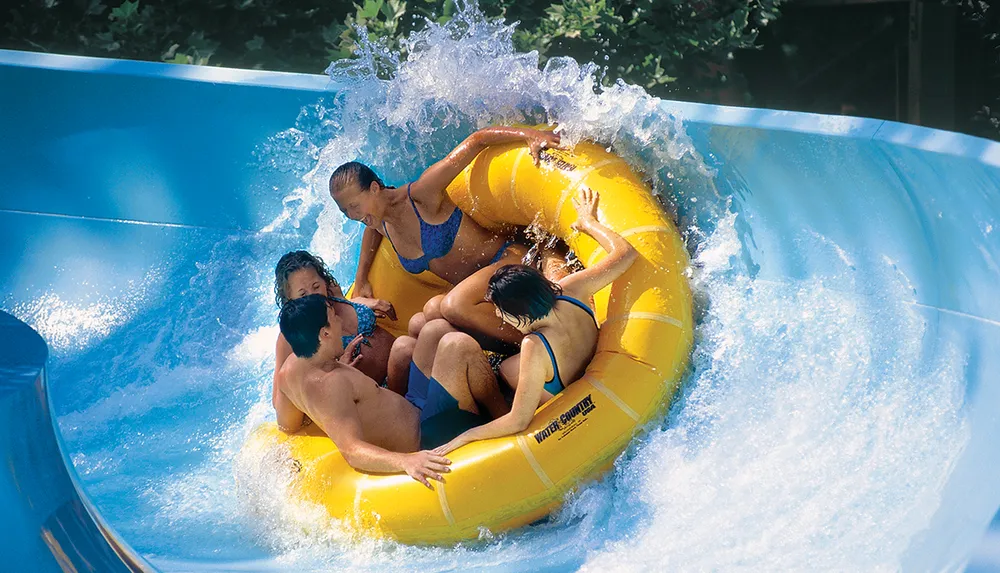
291 367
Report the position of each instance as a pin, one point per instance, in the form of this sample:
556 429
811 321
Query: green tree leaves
663 45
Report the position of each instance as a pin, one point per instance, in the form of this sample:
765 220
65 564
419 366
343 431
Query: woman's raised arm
429 188
620 257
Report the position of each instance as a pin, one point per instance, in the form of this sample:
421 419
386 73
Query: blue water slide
119 177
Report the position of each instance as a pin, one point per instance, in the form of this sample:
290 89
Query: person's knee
453 308
402 349
417 322
435 329
432 308
458 346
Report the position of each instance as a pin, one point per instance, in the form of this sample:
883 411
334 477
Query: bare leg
462 369
466 308
427 343
432 309
400 355
509 370
417 321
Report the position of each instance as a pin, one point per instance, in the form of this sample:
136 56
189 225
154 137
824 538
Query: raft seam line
646 229
593 256
513 178
613 397
443 499
575 185
357 495
533 462
625 235
658 317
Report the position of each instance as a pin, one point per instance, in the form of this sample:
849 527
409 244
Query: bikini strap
413 204
580 304
552 357
386 232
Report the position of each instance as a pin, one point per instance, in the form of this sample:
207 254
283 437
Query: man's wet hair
352 172
294 261
301 320
521 292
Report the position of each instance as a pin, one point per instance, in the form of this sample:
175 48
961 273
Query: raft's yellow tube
642 352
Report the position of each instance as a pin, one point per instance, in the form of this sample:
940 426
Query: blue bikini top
555 384
366 324
435 240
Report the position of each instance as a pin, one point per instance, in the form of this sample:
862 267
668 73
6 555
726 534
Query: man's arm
342 422
290 418
282 350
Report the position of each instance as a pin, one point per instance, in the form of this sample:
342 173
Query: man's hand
348 357
425 465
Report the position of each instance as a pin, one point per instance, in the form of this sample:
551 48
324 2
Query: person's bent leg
417 322
427 343
432 308
461 368
510 369
399 364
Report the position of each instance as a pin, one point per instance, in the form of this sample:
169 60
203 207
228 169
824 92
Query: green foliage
988 19
647 42
654 43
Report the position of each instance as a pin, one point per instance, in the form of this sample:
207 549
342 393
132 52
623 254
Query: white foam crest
76 325
812 437
256 348
401 115
332 235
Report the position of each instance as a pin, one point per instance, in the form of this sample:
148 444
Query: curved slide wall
109 168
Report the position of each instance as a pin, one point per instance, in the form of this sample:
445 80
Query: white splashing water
73 325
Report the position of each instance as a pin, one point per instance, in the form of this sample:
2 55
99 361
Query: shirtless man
376 430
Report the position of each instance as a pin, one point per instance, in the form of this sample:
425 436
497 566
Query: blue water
839 413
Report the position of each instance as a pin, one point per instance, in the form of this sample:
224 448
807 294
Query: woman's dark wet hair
353 172
300 322
293 261
521 292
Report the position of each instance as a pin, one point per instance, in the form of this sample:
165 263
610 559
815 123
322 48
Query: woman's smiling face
360 204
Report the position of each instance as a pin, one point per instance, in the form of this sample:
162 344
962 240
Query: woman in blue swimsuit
429 232
300 273
557 323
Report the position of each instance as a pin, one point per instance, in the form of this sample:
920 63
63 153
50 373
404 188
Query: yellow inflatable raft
643 350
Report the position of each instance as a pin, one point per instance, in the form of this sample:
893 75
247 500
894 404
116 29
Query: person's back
572 338
387 419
